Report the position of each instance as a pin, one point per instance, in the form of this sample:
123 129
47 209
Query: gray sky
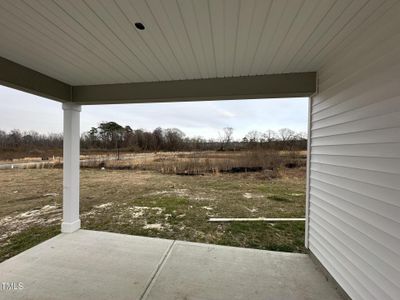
19 110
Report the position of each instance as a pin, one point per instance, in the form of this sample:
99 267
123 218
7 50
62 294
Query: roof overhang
246 87
261 86
22 78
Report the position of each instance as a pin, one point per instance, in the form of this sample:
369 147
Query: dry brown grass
154 204
195 163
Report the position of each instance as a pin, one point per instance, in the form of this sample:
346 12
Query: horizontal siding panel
378 288
382 251
363 226
350 98
381 208
335 269
377 220
388 150
388 165
385 271
381 179
340 267
388 120
376 109
387 195
385 135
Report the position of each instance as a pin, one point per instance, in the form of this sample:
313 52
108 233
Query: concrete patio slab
100 265
201 271
85 265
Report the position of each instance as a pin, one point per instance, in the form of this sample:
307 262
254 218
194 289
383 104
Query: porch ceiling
94 42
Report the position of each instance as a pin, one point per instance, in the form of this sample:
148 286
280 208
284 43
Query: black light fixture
139 26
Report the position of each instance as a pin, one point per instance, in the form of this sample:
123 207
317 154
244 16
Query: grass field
152 203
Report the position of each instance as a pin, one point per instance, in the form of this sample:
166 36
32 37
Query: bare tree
253 138
286 134
226 137
110 135
174 139
158 137
269 135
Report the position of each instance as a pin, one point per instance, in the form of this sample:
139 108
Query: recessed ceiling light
139 26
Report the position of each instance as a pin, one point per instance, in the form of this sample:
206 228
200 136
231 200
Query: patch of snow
252 210
159 193
104 205
138 211
50 195
178 192
201 198
207 207
137 214
48 207
153 226
29 213
12 225
159 210
52 220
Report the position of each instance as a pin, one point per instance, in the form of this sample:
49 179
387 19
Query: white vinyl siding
354 206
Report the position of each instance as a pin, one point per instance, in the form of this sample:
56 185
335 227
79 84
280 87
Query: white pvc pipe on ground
255 219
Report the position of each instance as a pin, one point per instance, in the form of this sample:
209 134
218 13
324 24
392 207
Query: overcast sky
19 110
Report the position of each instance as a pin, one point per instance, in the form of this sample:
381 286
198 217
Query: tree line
112 136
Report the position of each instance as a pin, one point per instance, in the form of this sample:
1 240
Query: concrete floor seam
157 271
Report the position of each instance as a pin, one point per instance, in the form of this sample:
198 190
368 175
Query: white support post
71 165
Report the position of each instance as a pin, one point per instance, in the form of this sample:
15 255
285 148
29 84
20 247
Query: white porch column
71 165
